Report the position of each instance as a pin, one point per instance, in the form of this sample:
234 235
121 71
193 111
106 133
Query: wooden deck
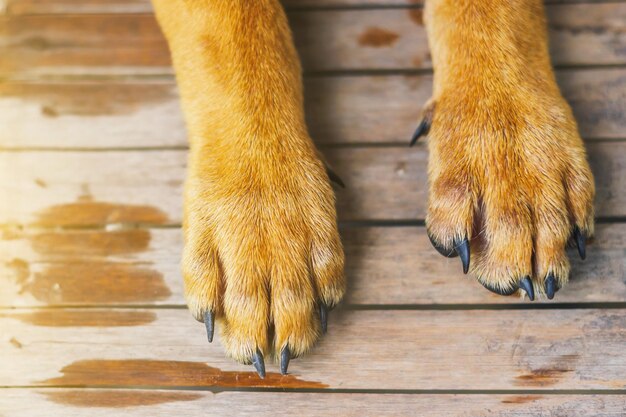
92 317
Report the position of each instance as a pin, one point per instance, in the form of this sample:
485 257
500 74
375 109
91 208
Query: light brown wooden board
379 350
386 266
139 6
94 188
366 109
328 40
136 403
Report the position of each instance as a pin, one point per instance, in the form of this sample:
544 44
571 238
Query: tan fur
261 240
507 165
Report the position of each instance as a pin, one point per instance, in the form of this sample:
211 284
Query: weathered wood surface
143 403
339 110
409 350
360 39
95 188
144 6
386 266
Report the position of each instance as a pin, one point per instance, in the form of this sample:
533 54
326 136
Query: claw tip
550 286
463 249
527 285
209 323
285 357
259 363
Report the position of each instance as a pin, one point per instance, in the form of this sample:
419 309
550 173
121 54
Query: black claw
551 286
209 323
259 363
422 129
448 253
324 317
332 175
527 285
285 356
580 243
463 249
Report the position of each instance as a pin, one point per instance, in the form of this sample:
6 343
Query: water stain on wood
417 16
94 283
103 318
117 399
549 375
377 37
94 213
75 267
541 377
16 343
138 372
80 244
521 399
90 99
41 183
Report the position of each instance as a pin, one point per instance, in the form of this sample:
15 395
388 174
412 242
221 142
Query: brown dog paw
510 188
262 257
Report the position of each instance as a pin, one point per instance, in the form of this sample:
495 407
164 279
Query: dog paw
262 259
510 188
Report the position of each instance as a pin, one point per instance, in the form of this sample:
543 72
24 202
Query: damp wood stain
83 243
117 398
417 16
521 399
74 267
16 343
137 372
94 213
95 283
41 183
104 318
542 377
377 37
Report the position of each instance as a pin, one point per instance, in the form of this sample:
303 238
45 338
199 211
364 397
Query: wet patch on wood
75 267
417 16
64 318
542 377
521 399
16 343
378 37
94 283
137 372
117 399
85 243
94 213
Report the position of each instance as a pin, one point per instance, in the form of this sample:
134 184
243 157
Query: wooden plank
18 7
145 403
95 188
385 266
379 350
100 115
327 40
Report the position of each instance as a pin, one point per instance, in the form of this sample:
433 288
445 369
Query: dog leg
510 185
262 254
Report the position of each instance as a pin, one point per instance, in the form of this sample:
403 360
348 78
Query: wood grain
142 403
386 266
327 40
379 350
95 188
99 115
